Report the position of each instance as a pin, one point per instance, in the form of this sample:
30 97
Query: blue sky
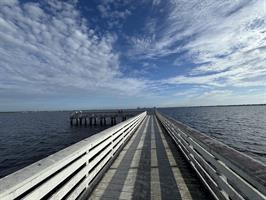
127 53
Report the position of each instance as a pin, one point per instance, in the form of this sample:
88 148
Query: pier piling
80 118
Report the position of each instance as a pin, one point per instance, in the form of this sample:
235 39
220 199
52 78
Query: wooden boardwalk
138 159
150 166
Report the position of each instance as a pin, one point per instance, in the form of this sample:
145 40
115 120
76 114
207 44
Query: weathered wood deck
150 166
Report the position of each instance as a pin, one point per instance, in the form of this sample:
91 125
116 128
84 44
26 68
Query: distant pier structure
102 118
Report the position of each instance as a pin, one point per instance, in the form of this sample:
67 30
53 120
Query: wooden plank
50 184
69 185
182 186
103 154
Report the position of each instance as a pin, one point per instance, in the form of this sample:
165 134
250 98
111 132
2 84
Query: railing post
88 165
71 122
112 121
221 189
101 121
112 145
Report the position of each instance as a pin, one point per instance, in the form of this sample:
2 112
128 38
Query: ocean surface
26 137
241 127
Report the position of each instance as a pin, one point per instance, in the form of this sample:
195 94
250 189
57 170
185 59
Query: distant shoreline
263 104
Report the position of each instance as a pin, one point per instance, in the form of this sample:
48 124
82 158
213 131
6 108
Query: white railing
227 173
71 172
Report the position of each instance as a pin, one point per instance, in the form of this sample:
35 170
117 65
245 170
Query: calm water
241 127
28 137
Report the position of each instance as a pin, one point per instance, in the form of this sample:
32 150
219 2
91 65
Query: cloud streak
225 40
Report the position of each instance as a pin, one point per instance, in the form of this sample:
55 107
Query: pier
148 156
93 118
150 167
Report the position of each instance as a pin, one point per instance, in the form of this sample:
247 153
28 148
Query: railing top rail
250 169
55 161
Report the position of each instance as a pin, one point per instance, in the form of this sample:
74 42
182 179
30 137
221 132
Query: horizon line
150 107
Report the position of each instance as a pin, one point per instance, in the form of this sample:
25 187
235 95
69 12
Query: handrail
69 173
226 172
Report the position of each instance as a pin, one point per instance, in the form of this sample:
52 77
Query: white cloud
156 2
227 40
48 50
114 12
